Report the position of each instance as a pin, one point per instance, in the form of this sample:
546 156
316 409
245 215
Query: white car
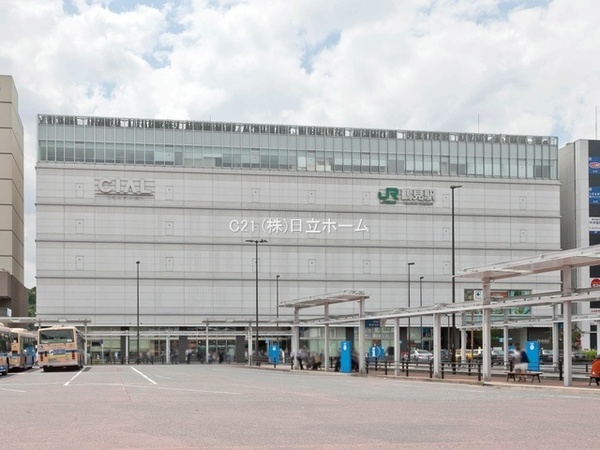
420 355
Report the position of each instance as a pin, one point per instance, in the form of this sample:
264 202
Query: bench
533 375
594 377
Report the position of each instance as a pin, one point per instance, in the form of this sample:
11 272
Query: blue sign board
373 323
346 357
532 348
274 354
376 352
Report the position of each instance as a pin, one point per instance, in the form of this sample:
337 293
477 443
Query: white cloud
515 66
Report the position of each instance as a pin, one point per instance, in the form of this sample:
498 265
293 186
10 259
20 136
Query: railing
461 368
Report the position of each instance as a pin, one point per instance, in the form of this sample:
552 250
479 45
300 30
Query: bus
5 340
23 348
61 346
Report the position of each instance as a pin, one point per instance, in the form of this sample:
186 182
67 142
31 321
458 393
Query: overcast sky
497 66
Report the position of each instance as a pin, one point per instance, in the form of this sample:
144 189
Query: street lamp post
452 336
256 242
421 305
277 300
137 357
408 330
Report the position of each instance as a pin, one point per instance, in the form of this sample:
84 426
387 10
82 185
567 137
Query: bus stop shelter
563 261
325 301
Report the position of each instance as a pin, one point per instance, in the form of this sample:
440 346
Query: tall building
579 164
13 294
341 209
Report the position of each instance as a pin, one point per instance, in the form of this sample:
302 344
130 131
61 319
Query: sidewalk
549 380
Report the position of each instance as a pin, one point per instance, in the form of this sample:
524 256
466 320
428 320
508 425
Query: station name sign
392 195
132 187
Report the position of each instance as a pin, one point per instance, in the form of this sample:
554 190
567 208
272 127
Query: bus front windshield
55 336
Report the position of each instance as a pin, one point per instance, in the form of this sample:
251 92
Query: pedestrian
595 370
188 355
522 363
301 357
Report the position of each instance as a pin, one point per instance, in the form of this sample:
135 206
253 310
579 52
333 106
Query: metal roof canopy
325 299
579 257
563 261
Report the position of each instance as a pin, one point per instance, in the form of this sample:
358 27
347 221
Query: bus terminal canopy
579 257
563 261
325 300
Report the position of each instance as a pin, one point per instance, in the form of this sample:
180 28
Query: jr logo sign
384 196
413 196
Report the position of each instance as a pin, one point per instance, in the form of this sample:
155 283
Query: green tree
31 304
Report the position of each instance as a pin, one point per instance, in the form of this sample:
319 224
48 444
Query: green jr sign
391 195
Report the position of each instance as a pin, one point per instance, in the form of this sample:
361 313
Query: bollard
431 369
560 369
479 371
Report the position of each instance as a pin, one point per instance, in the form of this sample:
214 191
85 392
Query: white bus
23 348
61 346
5 340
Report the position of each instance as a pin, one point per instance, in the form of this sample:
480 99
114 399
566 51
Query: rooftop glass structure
225 145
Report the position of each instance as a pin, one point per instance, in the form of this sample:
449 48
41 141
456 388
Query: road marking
151 381
74 376
184 390
11 390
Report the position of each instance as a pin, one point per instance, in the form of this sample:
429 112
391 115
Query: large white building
580 206
341 209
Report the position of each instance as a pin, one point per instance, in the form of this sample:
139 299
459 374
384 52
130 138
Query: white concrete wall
194 267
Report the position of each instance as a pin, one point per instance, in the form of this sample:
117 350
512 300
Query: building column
567 337
437 345
486 331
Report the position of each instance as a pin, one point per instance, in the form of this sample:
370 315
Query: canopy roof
579 257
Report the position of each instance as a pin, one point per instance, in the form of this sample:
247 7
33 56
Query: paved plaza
239 407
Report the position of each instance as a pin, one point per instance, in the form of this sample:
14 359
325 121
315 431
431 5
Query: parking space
230 406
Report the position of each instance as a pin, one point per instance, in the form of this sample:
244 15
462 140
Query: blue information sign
532 348
274 354
375 352
346 357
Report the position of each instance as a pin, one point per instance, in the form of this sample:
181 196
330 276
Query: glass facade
294 148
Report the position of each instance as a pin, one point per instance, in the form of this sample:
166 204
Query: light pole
408 331
137 357
277 300
256 242
421 305
452 336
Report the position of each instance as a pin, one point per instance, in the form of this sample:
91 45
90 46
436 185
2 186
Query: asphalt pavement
240 407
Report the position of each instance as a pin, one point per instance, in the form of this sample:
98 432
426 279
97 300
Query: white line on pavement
74 376
151 381
11 390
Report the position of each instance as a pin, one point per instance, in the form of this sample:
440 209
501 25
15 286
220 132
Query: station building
156 223
579 172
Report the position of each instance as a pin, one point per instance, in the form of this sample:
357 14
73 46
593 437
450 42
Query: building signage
594 165
134 187
281 225
391 195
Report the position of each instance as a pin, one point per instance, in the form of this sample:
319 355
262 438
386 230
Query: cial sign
125 186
